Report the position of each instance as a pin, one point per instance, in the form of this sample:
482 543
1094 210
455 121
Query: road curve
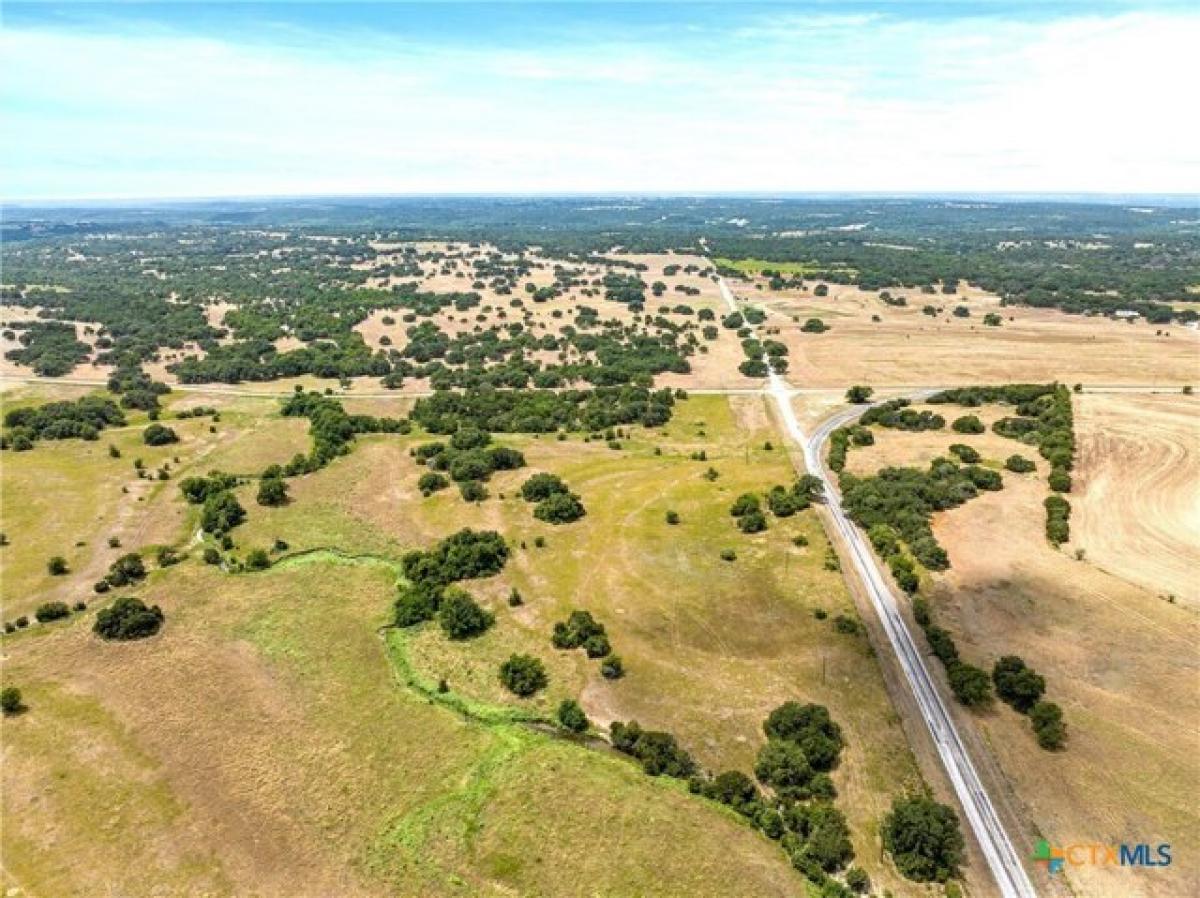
1002 858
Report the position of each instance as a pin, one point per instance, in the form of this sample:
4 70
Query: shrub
858 394
672 517
211 555
57 566
129 568
221 513
846 625
523 675
1017 683
542 486
659 753
559 508
967 424
1048 725
858 880
128 618
810 727
924 839
166 556
472 491
1019 464
272 492
966 454
461 617
728 555
430 482
579 627
784 767
744 505
970 684
258 560
50 611
612 668
1059 481
571 716
415 604
814 325
752 522
514 599
159 435
11 701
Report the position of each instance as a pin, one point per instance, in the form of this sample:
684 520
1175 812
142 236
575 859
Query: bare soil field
908 348
1123 663
1138 509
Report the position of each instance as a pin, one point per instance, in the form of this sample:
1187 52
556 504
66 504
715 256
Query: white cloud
843 103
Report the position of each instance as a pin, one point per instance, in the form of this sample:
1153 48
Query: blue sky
102 100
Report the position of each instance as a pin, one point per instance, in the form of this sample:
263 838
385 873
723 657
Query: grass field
274 740
1122 662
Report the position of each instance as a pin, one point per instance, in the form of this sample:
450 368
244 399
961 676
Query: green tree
57 566
923 838
783 766
461 617
128 618
970 684
523 675
859 394
1017 683
159 435
11 701
571 716
1048 725
221 513
559 508
272 491
51 611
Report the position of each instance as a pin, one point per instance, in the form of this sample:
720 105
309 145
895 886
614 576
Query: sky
143 99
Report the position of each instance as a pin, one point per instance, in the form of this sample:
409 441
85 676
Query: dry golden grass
1123 664
262 744
1137 511
908 348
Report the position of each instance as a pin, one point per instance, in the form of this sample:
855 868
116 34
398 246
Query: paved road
1002 858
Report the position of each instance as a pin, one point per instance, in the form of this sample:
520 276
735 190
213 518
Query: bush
166 556
129 568
159 435
542 486
514 599
814 326
579 627
430 482
128 618
744 505
858 880
258 560
752 522
559 508
1059 481
272 492
612 668
461 617
784 767
523 675
221 513
49 611
858 394
1019 464
811 728
966 454
970 684
571 716
659 753
11 701
57 566
416 604
211 555
967 424
472 491
672 517
924 839
1017 683
1048 725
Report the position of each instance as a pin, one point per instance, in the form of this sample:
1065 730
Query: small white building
1126 314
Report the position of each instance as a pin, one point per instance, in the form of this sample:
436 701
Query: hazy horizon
146 101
